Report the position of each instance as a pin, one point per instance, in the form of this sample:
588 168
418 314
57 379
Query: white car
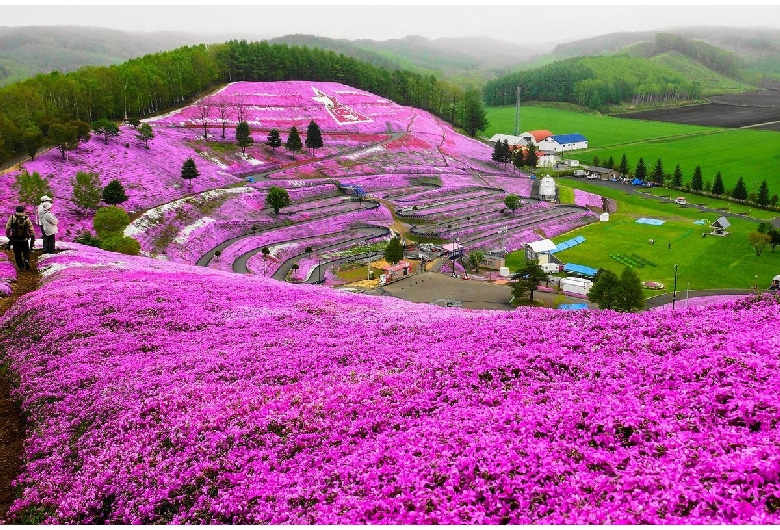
681 200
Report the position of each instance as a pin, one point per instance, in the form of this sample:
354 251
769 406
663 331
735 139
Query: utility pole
517 112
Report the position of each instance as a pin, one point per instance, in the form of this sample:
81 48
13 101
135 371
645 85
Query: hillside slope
164 393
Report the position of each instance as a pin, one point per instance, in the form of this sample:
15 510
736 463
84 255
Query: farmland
753 154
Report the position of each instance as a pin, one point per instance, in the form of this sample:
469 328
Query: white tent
547 188
545 245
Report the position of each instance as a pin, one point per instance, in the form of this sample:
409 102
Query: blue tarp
568 244
250 179
580 269
572 307
647 221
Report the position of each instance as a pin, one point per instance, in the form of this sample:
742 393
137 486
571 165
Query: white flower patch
369 151
153 215
251 161
213 160
274 250
185 232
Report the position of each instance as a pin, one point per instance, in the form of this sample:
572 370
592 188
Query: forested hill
31 50
159 82
468 61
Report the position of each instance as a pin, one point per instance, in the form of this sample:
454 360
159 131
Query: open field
703 263
715 115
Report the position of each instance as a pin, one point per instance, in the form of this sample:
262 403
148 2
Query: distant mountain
468 61
31 50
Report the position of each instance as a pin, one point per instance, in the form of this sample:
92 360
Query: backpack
19 230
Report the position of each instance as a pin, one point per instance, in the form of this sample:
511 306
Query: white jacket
48 221
39 214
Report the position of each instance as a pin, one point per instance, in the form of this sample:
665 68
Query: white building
513 141
563 142
547 188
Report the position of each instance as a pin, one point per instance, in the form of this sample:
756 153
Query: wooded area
159 82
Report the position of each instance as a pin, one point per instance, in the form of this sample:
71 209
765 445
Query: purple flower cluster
165 393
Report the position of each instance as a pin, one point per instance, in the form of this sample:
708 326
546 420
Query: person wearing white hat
48 227
39 211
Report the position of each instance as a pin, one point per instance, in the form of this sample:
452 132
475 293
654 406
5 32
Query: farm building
539 251
534 137
563 142
579 286
493 261
546 159
514 142
603 173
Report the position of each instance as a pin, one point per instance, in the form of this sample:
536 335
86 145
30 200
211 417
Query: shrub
121 244
85 237
110 221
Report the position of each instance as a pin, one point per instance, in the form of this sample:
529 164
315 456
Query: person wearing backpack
19 230
48 227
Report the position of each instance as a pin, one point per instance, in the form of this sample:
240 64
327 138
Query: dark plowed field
759 110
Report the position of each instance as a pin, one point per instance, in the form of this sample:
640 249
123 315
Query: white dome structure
547 188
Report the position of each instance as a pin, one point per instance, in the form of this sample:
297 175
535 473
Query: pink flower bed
7 271
163 393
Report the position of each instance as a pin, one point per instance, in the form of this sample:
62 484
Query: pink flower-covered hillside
164 393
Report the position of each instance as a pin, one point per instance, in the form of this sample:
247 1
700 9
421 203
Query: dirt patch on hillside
11 423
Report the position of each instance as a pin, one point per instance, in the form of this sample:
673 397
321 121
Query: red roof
540 135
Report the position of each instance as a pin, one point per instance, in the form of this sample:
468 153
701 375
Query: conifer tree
243 136
189 171
658 173
293 141
740 192
718 188
677 177
274 139
697 183
313 136
623 168
86 190
763 194
114 193
641 171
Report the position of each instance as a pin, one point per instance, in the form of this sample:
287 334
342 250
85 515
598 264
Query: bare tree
204 109
224 114
241 112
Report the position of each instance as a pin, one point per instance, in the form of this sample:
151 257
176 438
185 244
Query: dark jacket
28 232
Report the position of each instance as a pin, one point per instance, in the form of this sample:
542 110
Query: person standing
48 227
39 211
19 230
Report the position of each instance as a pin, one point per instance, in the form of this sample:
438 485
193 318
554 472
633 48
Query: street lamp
674 291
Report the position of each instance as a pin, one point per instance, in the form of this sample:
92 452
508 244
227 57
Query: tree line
593 82
162 81
760 197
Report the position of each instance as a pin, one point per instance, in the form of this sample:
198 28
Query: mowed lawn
752 154
703 263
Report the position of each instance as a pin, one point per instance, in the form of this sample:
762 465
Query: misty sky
525 24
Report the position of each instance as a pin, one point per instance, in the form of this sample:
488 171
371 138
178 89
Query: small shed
493 261
539 251
547 188
719 227
604 217
394 272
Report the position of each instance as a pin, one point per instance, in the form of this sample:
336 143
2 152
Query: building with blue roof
559 143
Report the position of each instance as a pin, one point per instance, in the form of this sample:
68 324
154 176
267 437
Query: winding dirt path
11 423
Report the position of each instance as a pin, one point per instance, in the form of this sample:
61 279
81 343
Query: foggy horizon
552 24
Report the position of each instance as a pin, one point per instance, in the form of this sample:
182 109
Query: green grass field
752 154
703 263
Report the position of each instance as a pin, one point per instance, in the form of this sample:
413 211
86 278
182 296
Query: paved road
663 299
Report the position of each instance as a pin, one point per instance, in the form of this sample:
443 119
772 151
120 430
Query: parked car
681 200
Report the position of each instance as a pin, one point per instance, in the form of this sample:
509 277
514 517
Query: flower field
165 393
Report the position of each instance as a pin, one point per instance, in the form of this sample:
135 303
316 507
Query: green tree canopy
313 136
243 136
105 128
697 182
527 279
64 137
763 194
394 251
475 259
277 198
624 167
274 139
293 142
631 297
33 140
622 293
658 173
189 171
86 190
677 177
718 188
512 201
110 221
759 241
531 158
144 133
475 117
114 193
641 171
604 291
30 187
518 159
740 192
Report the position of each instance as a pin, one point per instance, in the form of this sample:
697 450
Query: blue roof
580 269
569 138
